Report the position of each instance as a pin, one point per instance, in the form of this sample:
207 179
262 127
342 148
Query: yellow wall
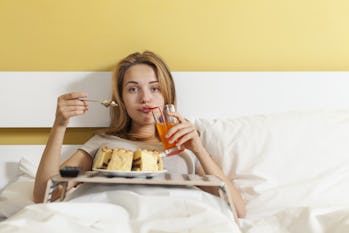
198 35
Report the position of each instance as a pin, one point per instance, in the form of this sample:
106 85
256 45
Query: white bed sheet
301 220
125 208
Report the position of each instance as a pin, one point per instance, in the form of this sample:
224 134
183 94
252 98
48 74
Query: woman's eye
133 89
155 89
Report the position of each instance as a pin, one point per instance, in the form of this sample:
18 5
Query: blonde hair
120 121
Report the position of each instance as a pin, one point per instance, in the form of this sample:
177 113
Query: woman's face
140 92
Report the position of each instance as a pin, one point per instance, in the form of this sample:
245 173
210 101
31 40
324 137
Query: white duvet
301 220
160 209
141 209
121 208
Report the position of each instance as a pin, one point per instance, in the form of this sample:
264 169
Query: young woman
140 81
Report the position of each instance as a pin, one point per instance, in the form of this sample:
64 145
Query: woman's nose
145 97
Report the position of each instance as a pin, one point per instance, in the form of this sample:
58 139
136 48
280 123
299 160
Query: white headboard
28 99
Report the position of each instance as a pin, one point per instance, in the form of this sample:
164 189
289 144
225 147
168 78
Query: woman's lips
148 109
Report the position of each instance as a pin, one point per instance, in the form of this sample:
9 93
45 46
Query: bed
282 137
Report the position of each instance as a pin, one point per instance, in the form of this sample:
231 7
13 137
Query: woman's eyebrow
131 82
134 82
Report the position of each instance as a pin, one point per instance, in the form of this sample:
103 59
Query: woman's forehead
140 73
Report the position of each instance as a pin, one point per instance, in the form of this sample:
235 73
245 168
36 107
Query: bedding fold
141 209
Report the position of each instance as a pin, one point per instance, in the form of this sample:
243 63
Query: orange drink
163 123
162 129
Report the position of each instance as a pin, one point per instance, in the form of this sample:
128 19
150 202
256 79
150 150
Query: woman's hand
70 105
184 133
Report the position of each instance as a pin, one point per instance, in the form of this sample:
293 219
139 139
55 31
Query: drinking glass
164 122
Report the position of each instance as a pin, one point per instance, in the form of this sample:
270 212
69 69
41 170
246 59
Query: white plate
130 173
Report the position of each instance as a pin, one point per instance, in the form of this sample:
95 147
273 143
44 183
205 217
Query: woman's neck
143 133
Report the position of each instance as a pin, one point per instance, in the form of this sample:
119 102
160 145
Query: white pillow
28 167
293 158
19 193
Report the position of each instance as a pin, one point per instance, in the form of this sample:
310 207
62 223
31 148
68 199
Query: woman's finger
187 137
68 111
180 130
73 95
75 102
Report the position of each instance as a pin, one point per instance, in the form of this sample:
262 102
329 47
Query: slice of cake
121 160
102 157
145 160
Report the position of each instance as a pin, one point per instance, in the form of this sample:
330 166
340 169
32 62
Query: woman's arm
68 106
185 134
210 167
